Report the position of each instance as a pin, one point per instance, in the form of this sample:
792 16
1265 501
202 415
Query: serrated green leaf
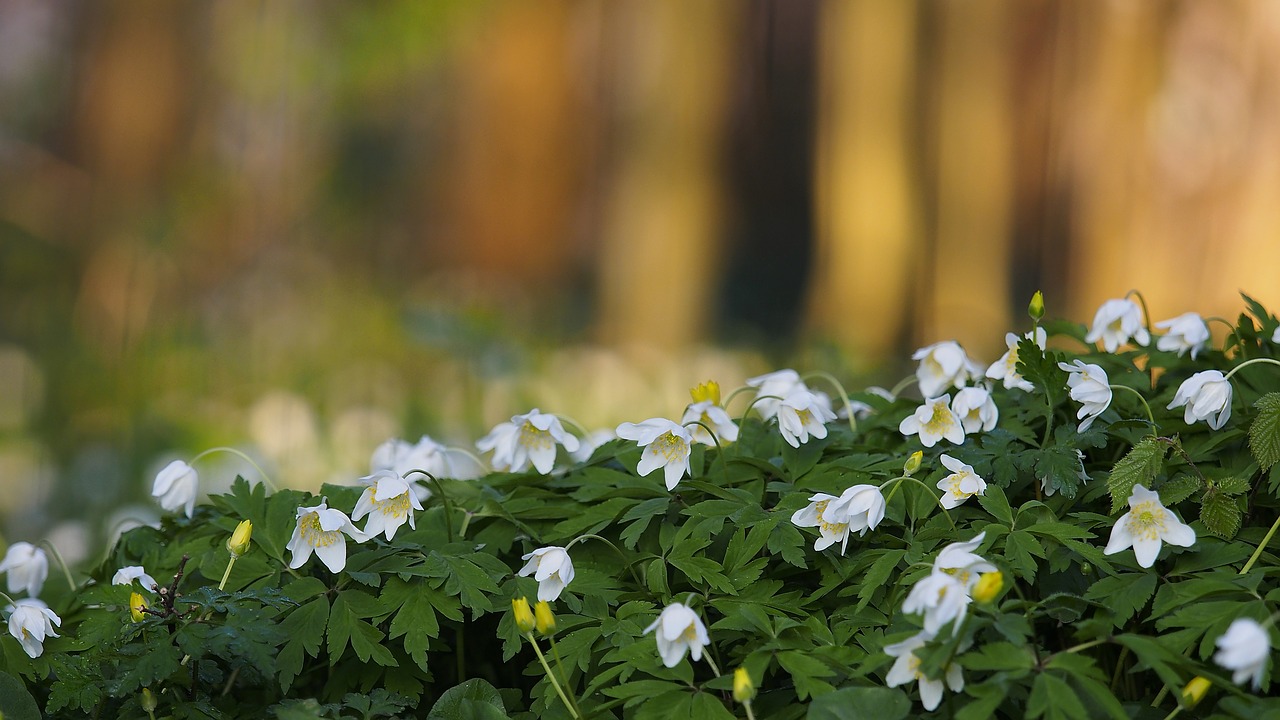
1123 594
1179 488
1233 484
996 502
1139 466
1220 513
1059 469
1053 698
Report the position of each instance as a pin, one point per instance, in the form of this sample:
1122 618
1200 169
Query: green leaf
15 702
1052 697
1264 433
1021 551
1139 466
1179 488
786 540
860 703
78 684
1124 594
305 627
1220 513
1059 468
805 670
472 699
995 502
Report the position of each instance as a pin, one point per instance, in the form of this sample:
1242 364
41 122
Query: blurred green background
303 228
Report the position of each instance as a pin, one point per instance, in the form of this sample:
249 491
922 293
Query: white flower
714 417
531 437
942 366
1147 524
320 528
588 445
802 415
126 576
440 460
934 421
28 568
1204 394
552 568
1090 387
1117 322
776 385
1275 336
959 561
859 508
30 622
666 445
1244 649
962 484
1006 368
388 501
1188 331
940 598
679 629
976 410
176 487
907 668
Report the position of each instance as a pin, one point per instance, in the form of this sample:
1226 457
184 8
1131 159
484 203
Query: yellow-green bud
913 463
136 604
238 545
1036 307
988 587
148 700
1195 691
523 614
546 620
709 390
743 689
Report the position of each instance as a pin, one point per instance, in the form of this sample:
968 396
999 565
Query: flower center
1147 521
941 419
913 666
533 438
690 634
313 534
804 416
670 447
397 506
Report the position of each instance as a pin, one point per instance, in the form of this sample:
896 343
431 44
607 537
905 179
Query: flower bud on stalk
913 463
1195 691
743 689
1036 307
136 605
148 702
988 587
238 545
523 614
544 618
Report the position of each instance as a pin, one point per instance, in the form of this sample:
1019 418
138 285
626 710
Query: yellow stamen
533 438
1148 521
313 534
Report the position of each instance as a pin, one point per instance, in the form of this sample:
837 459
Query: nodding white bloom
1188 331
176 487
389 502
976 409
1204 394
940 598
1090 387
126 576
28 568
679 629
531 437
666 445
942 366
959 561
776 385
713 416
551 567
803 415
934 421
859 508
320 528
1117 322
30 622
1147 524
906 668
1050 489
1275 336
587 446
1006 368
962 484
442 461
1244 649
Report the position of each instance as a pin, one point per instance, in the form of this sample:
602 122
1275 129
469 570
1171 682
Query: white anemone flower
528 438
1207 396
934 421
1117 322
27 566
940 598
30 623
389 502
442 461
801 415
859 508
1147 524
943 366
679 630
128 574
1244 649
773 387
906 668
976 409
666 445
1188 331
1090 387
551 567
1006 368
962 484
961 562
176 486
713 416
320 528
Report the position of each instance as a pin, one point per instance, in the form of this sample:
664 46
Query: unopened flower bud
546 620
1036 307
137 604
913 463
238 545
148 700
743 689
1195 691
523 614
988 587
709 390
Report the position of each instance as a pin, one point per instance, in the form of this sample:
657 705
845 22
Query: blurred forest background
301 228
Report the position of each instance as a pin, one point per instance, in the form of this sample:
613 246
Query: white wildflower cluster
943 367
30 619
860 508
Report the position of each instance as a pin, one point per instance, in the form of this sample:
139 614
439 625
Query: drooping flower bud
1036 307
148 701
546 620
988 587
523 614
1195 691
743 689
238 545
913 463
137 604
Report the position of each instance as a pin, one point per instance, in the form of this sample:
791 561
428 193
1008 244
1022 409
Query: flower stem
927 489
582 432
848 407
734 394
66 572
747 706
630 564
448 508
1145 405
265 478
551 676
555 652
746 412
1247 363
724 462
902 385
230 564
1085 645
712 663
1261 546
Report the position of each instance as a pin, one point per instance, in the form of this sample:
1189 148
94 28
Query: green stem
265 478
927 489
902 385
724 463
448 507
848 406
1247 363
555 652
712 663
747 705
66 571
1145 405
1261 546
630 565
1146 314
230 564
582 432
466 521
734 394
746 412
551 676
1085 645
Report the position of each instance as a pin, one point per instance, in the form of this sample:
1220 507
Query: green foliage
1264 433
1139 466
